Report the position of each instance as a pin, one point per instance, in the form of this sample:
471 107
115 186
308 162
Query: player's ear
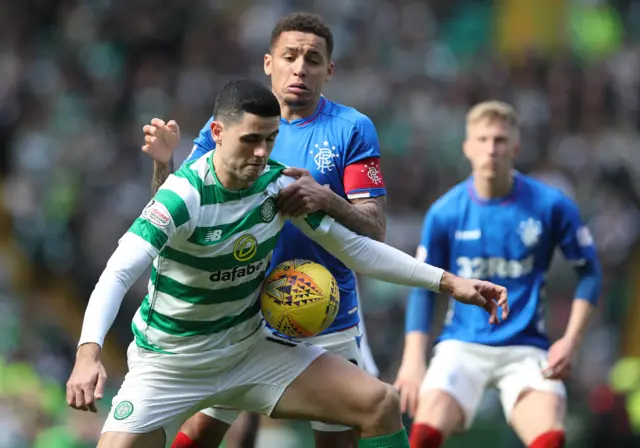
516 149
216 131
268 60
515 141
330 69
466 149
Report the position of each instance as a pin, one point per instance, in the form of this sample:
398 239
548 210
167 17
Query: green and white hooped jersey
212 247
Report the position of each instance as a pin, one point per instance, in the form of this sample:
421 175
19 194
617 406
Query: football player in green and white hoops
200 338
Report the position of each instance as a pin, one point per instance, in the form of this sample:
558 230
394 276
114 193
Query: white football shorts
156 396
346 343
464 370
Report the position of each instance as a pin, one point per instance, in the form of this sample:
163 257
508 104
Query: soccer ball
300 298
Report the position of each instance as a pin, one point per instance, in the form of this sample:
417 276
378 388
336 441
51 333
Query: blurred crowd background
79 79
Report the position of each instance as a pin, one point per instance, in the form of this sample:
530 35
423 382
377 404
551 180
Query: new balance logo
213 235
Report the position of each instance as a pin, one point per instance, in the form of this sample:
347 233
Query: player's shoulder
196 166
195 171
543 193
273 172
447 205
347 116
274 165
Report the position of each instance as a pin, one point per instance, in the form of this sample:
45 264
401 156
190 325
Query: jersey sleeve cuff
367 193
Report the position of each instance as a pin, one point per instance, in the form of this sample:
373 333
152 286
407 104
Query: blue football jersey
340 148
509 241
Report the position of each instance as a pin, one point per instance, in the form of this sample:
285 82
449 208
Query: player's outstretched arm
386 263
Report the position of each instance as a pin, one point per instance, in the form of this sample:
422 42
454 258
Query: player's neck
498 187
290 114
226 179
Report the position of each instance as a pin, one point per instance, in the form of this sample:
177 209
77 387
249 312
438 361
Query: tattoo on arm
160 173
366 216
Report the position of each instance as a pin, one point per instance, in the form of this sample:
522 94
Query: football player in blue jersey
339 147
502 226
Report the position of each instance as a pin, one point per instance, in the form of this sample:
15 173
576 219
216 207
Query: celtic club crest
268 210
123 410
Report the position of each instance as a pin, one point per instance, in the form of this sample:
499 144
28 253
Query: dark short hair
240 96
304 22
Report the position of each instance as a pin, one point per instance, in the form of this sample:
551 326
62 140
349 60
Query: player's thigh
154 398
453 387
206 429
345 344
257 382
523 389
548 408
333 390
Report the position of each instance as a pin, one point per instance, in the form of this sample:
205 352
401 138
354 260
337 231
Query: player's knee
203 428
195 426
547 430
383 409
439 410
334 439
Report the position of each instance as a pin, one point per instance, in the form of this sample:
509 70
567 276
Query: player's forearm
581 311
419 314
161 172
415 347
369 257
127 263
587 294
363 216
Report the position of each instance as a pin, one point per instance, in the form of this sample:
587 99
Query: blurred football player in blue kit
502 226
339 147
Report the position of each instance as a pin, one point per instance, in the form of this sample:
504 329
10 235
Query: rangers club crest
323 156
373 172
530 231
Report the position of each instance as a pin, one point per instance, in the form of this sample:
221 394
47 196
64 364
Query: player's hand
408 382
161 139
560 360
477 292
296 172
302 197
86 384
